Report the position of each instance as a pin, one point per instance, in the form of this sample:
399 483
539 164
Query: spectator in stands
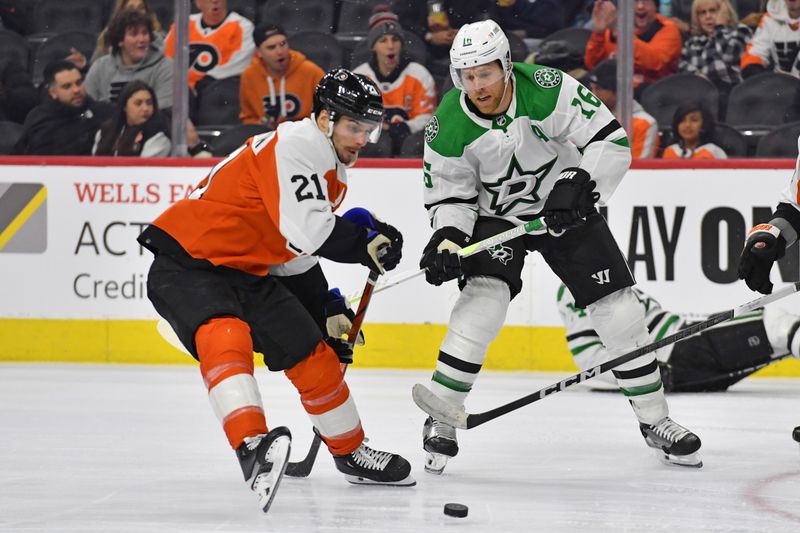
407 88
17 94
693 126
534 19
644 137
279 83
104 47
716 45
133 57
66 122
220 42
776 41
136 128
656 43
438 21
13 16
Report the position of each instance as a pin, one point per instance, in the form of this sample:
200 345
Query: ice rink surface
105 448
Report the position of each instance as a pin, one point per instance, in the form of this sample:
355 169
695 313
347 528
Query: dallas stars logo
431 129
517 186
547 77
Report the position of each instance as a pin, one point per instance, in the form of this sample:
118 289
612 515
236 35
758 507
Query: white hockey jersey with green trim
505 166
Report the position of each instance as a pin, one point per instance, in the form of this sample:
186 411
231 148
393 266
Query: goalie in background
710 361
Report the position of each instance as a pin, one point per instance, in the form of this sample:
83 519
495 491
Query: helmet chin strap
506 83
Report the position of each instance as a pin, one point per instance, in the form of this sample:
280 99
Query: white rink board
101 275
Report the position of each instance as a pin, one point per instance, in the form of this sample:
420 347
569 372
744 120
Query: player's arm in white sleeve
787 214
581 118
450 188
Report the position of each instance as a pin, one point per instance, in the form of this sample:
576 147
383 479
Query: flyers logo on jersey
547 77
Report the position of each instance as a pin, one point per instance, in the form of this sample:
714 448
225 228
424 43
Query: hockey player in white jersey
513 142
767 243
710 361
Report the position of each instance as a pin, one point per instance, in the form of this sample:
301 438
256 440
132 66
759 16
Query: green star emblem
517 186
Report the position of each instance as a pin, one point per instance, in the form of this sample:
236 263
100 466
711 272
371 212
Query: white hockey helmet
476 44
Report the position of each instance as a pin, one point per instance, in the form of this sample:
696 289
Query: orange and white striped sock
225 349
326 398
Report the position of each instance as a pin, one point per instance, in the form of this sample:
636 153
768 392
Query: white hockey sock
475 321
619 321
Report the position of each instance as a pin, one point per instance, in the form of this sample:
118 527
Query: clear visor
476 78
363 131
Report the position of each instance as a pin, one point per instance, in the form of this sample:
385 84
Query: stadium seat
321 48
57 16
575 38
730 140
218 103
14 46
382 148
299 15
768 99
519 50
165 11
780 142
413 145
413 45
10 132
58 47
682 9
745 7
663 97
231 138
354 16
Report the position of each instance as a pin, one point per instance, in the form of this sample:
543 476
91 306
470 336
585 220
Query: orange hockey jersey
409 93
269 202
655 52
293 93
220 52
645 133
704 151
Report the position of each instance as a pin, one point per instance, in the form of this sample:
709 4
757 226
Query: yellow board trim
23 217
408 346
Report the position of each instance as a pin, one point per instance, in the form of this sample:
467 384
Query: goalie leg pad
327 400
225 350
476 320
619 320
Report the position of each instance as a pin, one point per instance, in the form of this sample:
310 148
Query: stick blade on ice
438 408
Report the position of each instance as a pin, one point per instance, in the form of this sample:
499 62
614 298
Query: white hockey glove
338 322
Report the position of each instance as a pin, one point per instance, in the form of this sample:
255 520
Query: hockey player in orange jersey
236 270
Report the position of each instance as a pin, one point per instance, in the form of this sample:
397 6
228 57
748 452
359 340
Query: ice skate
263 459
676 445
366 466
440 444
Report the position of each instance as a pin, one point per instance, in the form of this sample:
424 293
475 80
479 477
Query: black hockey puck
796 434
456 509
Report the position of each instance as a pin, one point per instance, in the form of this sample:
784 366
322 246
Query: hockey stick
458 417
535 226
303 468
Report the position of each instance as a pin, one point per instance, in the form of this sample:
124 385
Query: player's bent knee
478 315
319 380
225 348
619 320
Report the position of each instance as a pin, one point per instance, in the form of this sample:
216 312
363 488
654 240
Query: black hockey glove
338 322
764 246
439 258
272 111
571 200
384 241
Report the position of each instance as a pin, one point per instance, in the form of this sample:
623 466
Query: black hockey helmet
341 91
